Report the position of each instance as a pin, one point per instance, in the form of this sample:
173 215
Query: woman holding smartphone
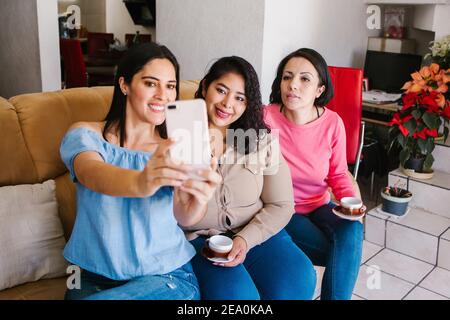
131 197
255 200
312 140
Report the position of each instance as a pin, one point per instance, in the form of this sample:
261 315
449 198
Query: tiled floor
388 275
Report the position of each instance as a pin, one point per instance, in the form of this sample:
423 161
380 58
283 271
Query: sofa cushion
45 117
66 197
16 165
47 289
31 235
188 89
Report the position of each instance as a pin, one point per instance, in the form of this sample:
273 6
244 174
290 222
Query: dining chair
347 103
98 42
76 74
129 37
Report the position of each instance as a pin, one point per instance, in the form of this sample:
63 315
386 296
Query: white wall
47 14
442 21
119 22
199 31
336 29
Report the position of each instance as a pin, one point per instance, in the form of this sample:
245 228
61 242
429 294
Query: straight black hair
321 67
133 62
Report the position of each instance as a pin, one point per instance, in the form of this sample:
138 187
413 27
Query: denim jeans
180 284
275 269
331 242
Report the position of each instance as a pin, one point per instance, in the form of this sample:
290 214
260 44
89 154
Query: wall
442 21
47 12
29 57
19 54
200 31
336 29
94 13
119 22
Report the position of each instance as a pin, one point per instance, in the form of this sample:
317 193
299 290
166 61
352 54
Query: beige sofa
31 129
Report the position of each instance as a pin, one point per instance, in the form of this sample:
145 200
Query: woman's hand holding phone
192 196
161 171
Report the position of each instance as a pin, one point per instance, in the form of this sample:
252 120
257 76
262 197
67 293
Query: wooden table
374 112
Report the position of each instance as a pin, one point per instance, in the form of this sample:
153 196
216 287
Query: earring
124 93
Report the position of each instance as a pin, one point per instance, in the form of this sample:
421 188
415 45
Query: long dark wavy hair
133 62
252 118
319 64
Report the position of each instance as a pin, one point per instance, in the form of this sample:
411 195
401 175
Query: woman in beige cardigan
255 200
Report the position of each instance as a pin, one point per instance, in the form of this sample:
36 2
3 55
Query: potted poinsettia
425 108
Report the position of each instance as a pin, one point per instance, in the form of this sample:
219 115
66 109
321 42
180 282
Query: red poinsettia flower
409 100
399 121
426 133
446 112
430 100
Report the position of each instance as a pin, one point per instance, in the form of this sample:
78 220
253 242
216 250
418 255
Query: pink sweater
316 155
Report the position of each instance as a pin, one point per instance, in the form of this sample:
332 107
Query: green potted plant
415 127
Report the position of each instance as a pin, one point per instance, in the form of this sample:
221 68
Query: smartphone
187 123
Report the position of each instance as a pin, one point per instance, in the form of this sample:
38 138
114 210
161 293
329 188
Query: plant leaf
428 161
416 114
411 125
422 145
430 145
401 140
404 156
430 120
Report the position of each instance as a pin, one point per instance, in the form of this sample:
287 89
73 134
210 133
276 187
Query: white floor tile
440 179
446 235
369 250
422 294
441 155
430 195
424 221
376 285
375 230
438 281
376 213
355 297
444 254
412 242
401 266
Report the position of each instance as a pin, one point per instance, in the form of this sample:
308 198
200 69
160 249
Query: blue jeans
180 284
331 242
276 269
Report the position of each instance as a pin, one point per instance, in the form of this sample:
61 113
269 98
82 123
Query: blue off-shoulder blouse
117 237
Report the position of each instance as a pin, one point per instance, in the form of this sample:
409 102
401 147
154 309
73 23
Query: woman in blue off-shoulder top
131 197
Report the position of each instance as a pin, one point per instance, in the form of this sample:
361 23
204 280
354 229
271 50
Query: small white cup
351 203
220 244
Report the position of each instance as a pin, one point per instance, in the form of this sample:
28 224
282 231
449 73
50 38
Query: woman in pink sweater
312 140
